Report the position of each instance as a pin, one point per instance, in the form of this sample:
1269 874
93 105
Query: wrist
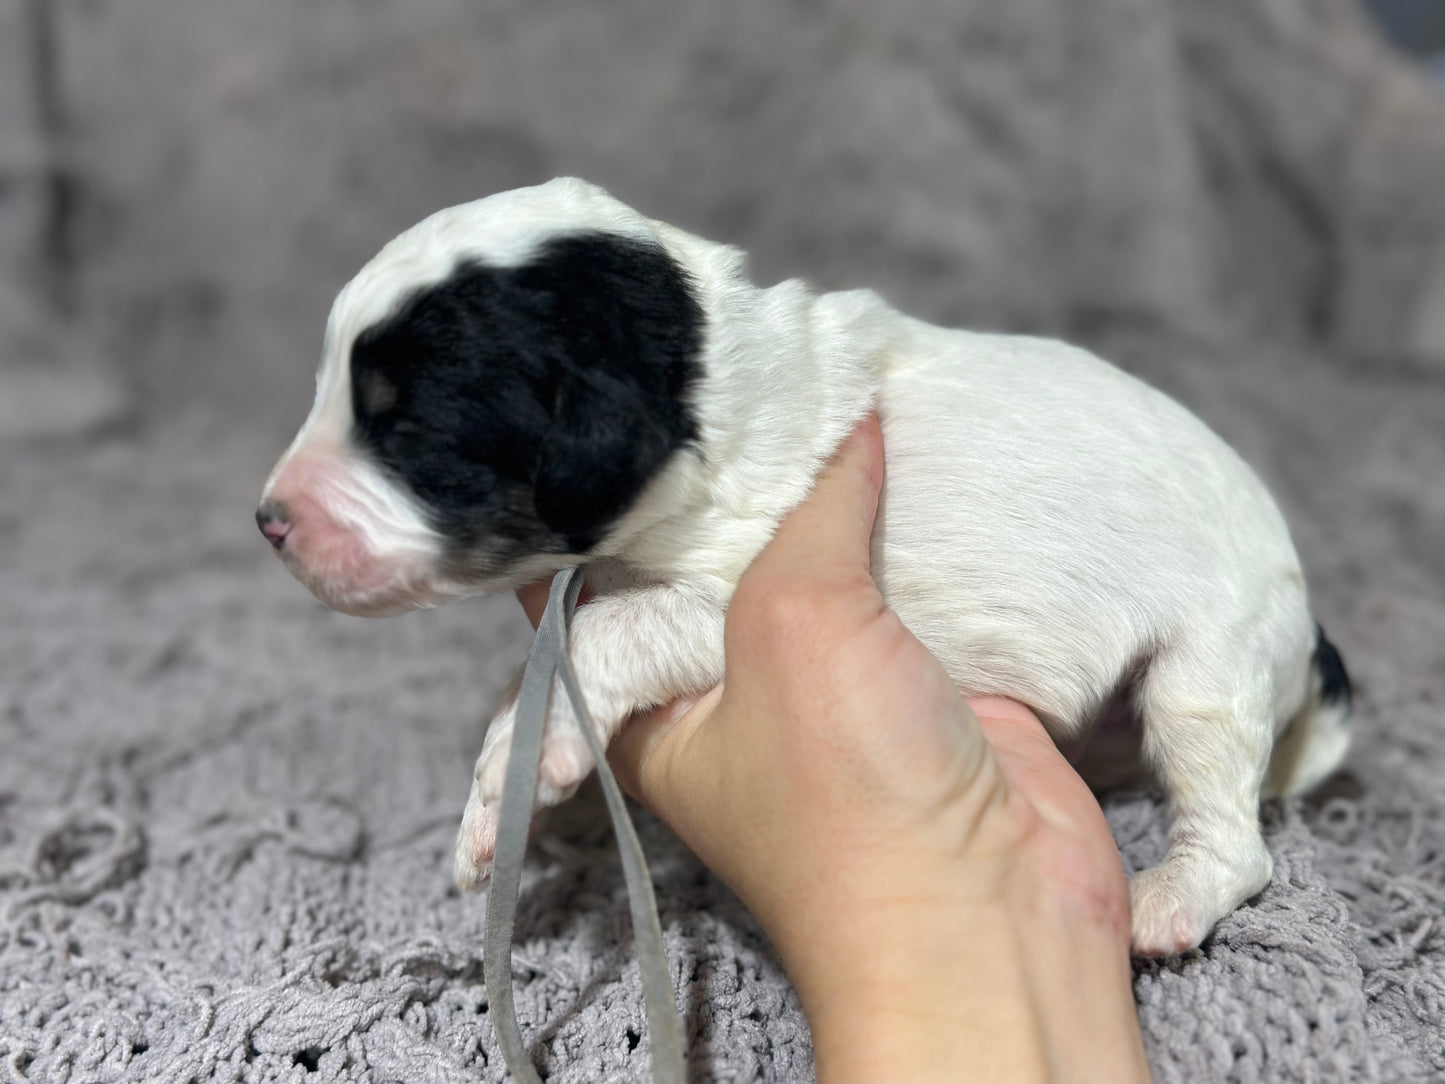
922 995
977 991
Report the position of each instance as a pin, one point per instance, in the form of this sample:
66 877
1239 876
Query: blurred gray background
225 814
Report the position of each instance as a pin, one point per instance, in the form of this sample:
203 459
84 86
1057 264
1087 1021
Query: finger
533 598
827 536
648 754
1032 763
1016 734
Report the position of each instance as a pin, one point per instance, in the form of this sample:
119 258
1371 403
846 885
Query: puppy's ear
628 335
605 444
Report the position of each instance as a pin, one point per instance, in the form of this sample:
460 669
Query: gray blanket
226 814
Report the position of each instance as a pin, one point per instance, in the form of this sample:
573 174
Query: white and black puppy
546 377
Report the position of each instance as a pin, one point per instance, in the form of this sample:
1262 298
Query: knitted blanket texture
226 814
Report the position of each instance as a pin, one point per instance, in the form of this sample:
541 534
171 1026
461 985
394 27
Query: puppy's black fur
534 403
1335 685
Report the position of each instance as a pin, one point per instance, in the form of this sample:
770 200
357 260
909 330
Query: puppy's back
1049 519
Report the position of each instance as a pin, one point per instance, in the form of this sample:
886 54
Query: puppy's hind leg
1208 730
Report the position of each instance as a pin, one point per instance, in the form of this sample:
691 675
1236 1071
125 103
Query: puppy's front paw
476 843
565 762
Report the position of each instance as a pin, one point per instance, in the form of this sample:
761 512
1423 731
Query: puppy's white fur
1050 527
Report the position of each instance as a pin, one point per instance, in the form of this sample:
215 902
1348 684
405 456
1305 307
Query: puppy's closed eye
378 394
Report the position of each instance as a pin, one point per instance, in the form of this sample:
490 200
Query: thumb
822 543
810 589
826 538
663 757
654 754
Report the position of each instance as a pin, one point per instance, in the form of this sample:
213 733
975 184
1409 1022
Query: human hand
940 884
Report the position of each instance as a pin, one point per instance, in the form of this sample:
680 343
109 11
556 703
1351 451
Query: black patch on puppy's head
527 407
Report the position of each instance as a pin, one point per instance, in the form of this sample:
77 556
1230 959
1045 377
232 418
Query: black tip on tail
1334 680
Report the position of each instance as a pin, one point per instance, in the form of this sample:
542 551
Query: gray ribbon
548 661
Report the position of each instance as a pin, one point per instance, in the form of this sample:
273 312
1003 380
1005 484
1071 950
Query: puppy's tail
1315 741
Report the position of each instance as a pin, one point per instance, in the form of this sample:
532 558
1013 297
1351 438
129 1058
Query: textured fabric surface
226 814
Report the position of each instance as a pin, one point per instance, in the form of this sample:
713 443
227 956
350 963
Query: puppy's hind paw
1164 921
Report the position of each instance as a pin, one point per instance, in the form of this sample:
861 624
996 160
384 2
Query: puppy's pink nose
272 519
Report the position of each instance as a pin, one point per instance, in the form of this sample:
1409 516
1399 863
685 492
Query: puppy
546 377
